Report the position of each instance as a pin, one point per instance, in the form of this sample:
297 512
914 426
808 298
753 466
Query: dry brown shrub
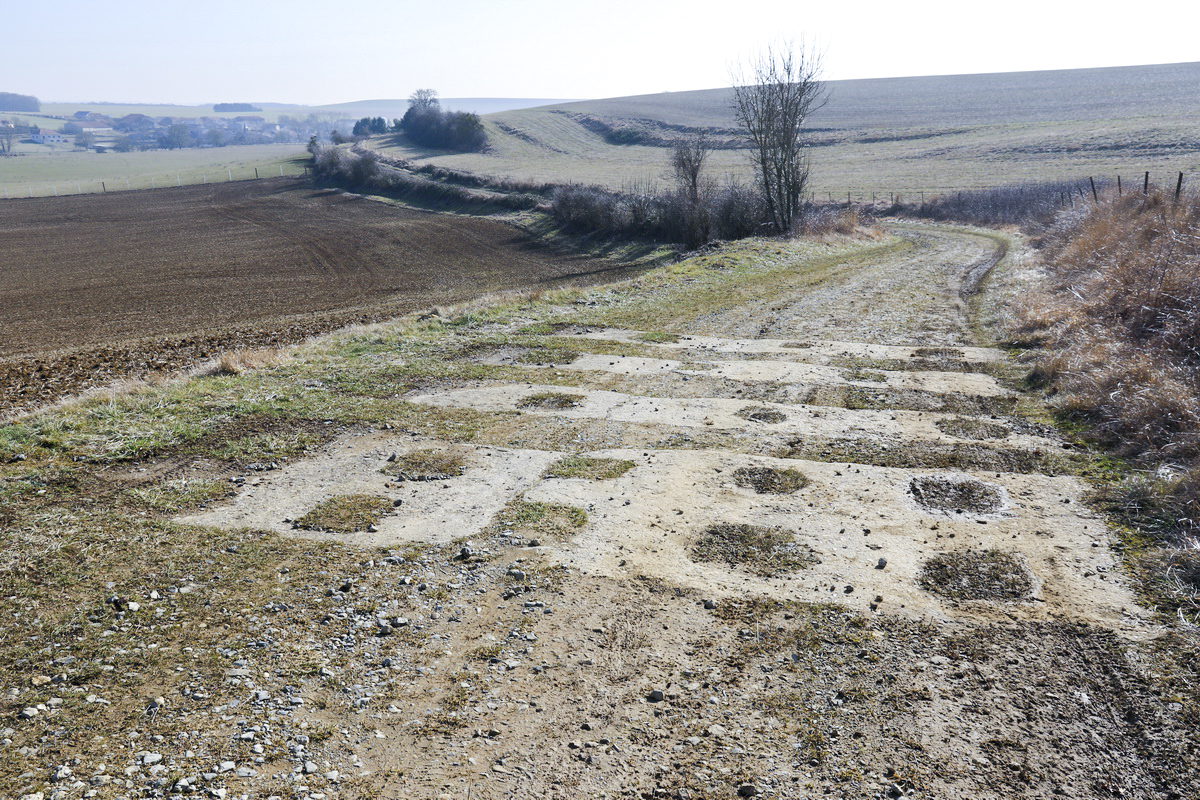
236 362
1119 328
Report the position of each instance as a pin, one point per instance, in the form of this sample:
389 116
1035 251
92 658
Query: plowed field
101 287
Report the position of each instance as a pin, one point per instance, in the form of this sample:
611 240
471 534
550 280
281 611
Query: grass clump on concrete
589 468
553 401
345 513
768 480
759 550
955 494
539 521
427 465
977 575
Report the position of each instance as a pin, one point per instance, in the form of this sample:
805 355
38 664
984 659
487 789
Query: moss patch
934 455
539 521
977 575
767 480
759 550
552 401
955 494
768 416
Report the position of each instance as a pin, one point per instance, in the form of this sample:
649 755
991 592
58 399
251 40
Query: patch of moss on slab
977 575
552 401
759 550
768 480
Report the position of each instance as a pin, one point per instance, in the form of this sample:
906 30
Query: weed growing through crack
768 480
589 468
762 551
977 575
345 513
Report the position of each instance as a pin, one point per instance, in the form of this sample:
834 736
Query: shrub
430 126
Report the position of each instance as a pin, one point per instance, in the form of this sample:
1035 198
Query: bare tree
688 155
771 104
423 99
8 138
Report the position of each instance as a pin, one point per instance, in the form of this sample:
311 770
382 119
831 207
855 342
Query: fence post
104 187
1146 184
1179 186
1095 196
1118 186
256 173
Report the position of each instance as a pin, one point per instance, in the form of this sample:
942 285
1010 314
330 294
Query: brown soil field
97 288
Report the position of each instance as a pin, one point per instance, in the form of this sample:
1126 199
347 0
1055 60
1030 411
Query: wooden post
256 173
1146 184
103 187
281 170
1179 186
1118 186
230 171
1095 196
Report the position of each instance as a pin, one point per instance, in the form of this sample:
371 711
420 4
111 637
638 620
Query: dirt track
954 629
96 288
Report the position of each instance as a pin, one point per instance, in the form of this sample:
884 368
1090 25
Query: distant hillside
878 137
393 109
950 100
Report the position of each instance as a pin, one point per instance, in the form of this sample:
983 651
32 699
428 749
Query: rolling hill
931 134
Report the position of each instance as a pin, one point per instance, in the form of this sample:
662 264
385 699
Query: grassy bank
1116 332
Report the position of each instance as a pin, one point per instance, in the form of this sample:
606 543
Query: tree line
9 101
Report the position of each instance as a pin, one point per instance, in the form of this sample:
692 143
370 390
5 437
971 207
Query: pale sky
313 53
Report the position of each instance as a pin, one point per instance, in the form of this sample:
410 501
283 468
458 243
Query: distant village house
48 137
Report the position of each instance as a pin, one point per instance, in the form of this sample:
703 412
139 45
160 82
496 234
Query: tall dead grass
1119 325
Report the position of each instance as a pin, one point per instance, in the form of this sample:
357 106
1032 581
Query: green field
877 137
42 172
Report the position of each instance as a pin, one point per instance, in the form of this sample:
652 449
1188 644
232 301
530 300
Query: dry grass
1120 334
236 362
